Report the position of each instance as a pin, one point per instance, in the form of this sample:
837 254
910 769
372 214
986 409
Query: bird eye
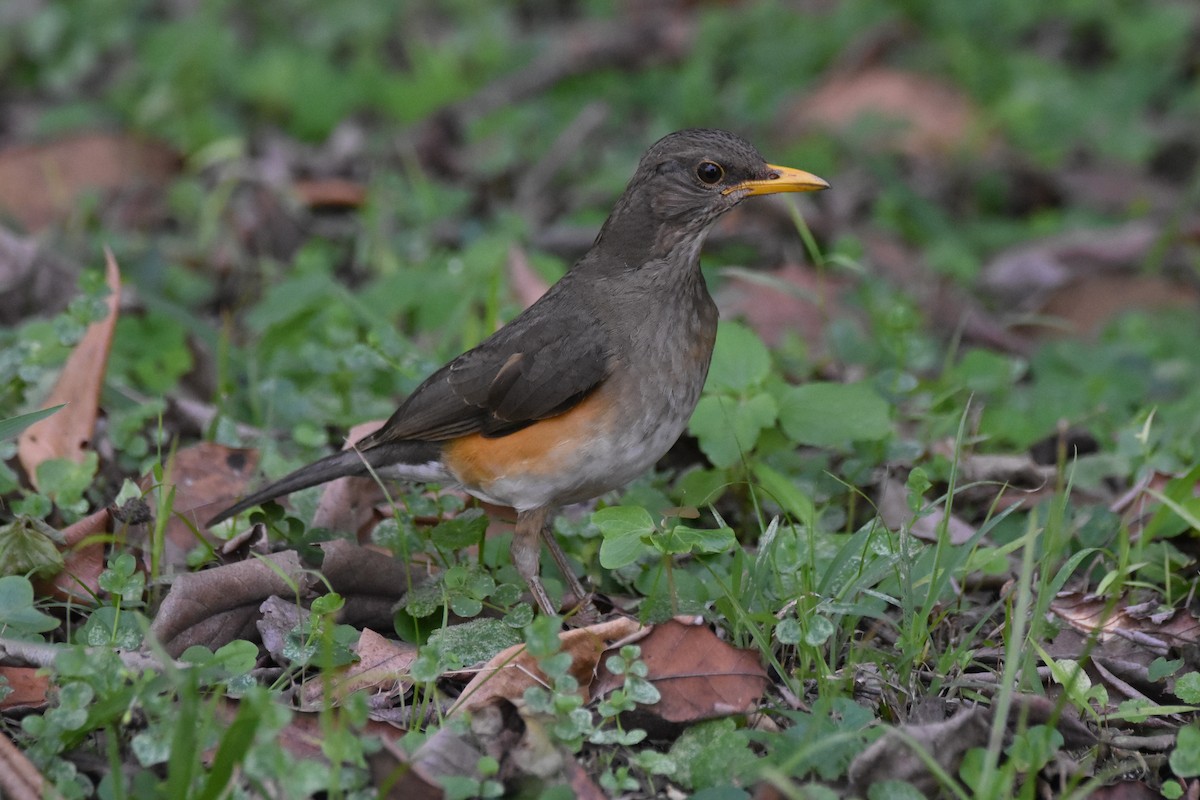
709 172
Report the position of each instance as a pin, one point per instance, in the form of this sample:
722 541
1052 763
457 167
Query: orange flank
547 447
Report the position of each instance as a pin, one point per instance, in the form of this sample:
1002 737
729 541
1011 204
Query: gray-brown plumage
591 384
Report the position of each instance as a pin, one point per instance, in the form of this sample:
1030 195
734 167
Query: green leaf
1185 759
29 546
18 617
834 414
682 539
740 359
1187 688
14 425
784 491
462 531
728 427
626 529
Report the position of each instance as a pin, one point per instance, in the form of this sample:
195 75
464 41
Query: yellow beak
785 179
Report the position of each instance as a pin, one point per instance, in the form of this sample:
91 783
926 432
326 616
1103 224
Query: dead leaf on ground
332 193
513 670
1087 305
1082 279
1147 624
949 308
215 606
917 114
699 676
84 545
371 582
518 741
382 671
28 687
41 183
301 738
348 504
892 502
1125 790
205 476
391 767
277 619
791 299
68 433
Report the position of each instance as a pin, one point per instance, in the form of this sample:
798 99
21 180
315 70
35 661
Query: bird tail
338 465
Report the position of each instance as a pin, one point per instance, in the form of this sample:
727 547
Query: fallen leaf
1147 625
698 676
370 581
791 299
68 434
84 542
330 193
277 619
892 504
28 687
215 606
41 183
382 670
916 114
513 670
1087 305
348 503
205 476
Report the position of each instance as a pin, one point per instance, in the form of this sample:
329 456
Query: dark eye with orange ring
709 172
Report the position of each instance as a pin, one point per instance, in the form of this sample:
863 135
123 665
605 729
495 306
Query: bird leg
533 525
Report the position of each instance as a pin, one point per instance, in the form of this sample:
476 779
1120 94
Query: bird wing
526 371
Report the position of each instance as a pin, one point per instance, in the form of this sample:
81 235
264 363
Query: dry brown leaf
28 685
919 115
1085 306
278 618
19 778
68 433
348 504
892 503
42 183
330 193
392 767
519 742
370 581
303 735
513 670
382 670
206 476
1147 625
1125 790
79 581
699 676
216 606
791 299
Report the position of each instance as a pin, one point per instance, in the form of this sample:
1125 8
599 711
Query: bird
590 385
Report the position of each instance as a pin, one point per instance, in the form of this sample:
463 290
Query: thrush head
682 184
